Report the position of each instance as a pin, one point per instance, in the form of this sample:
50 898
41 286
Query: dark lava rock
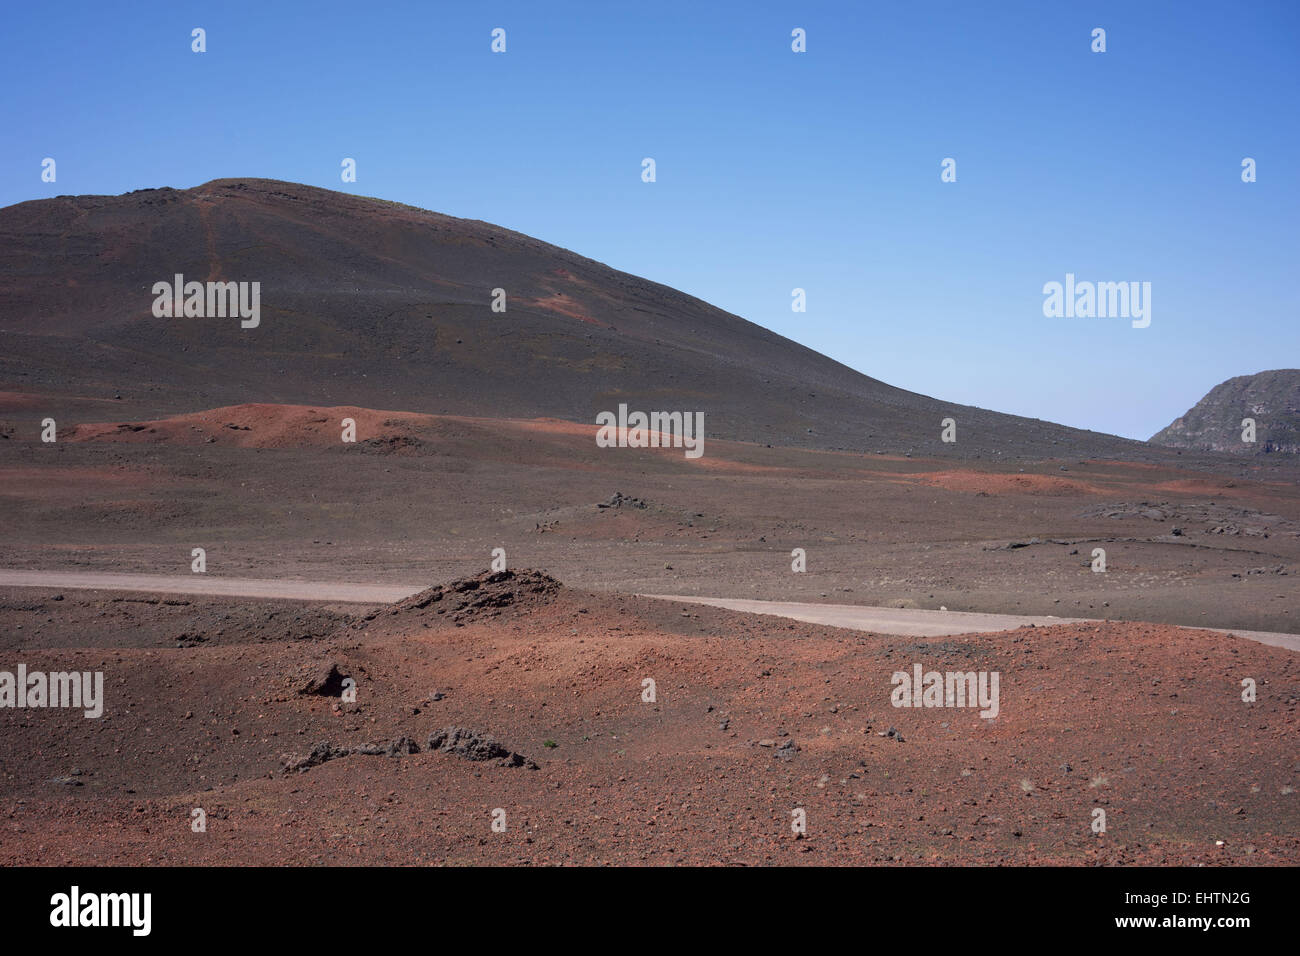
401 746
321 753
620 500
326 681
476 746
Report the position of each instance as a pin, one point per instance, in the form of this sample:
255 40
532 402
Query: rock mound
482 596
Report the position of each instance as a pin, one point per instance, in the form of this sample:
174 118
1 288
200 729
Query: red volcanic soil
242 717
18 401
260 426
1002 484
561 304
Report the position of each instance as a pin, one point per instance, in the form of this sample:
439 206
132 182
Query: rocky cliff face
1214 423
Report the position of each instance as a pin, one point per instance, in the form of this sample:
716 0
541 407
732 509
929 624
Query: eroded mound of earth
474 598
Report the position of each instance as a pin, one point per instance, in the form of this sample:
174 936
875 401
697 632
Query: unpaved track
906 622
923 623
326 592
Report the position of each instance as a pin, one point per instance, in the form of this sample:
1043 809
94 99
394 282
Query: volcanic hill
372 303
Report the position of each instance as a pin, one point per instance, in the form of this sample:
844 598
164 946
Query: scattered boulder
325 681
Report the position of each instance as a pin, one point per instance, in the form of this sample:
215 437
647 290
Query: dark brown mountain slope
372 303
1271 398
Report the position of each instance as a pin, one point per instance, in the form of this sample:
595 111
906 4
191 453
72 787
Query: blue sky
775 170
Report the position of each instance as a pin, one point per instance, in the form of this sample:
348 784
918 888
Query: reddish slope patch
561 304
999 484
263 426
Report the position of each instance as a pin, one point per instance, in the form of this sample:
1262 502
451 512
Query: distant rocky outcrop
1214 423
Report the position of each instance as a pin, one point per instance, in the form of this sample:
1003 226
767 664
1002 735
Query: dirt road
908 622
915 622
322 591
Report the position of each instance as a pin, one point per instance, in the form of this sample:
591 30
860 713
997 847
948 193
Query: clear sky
775 169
